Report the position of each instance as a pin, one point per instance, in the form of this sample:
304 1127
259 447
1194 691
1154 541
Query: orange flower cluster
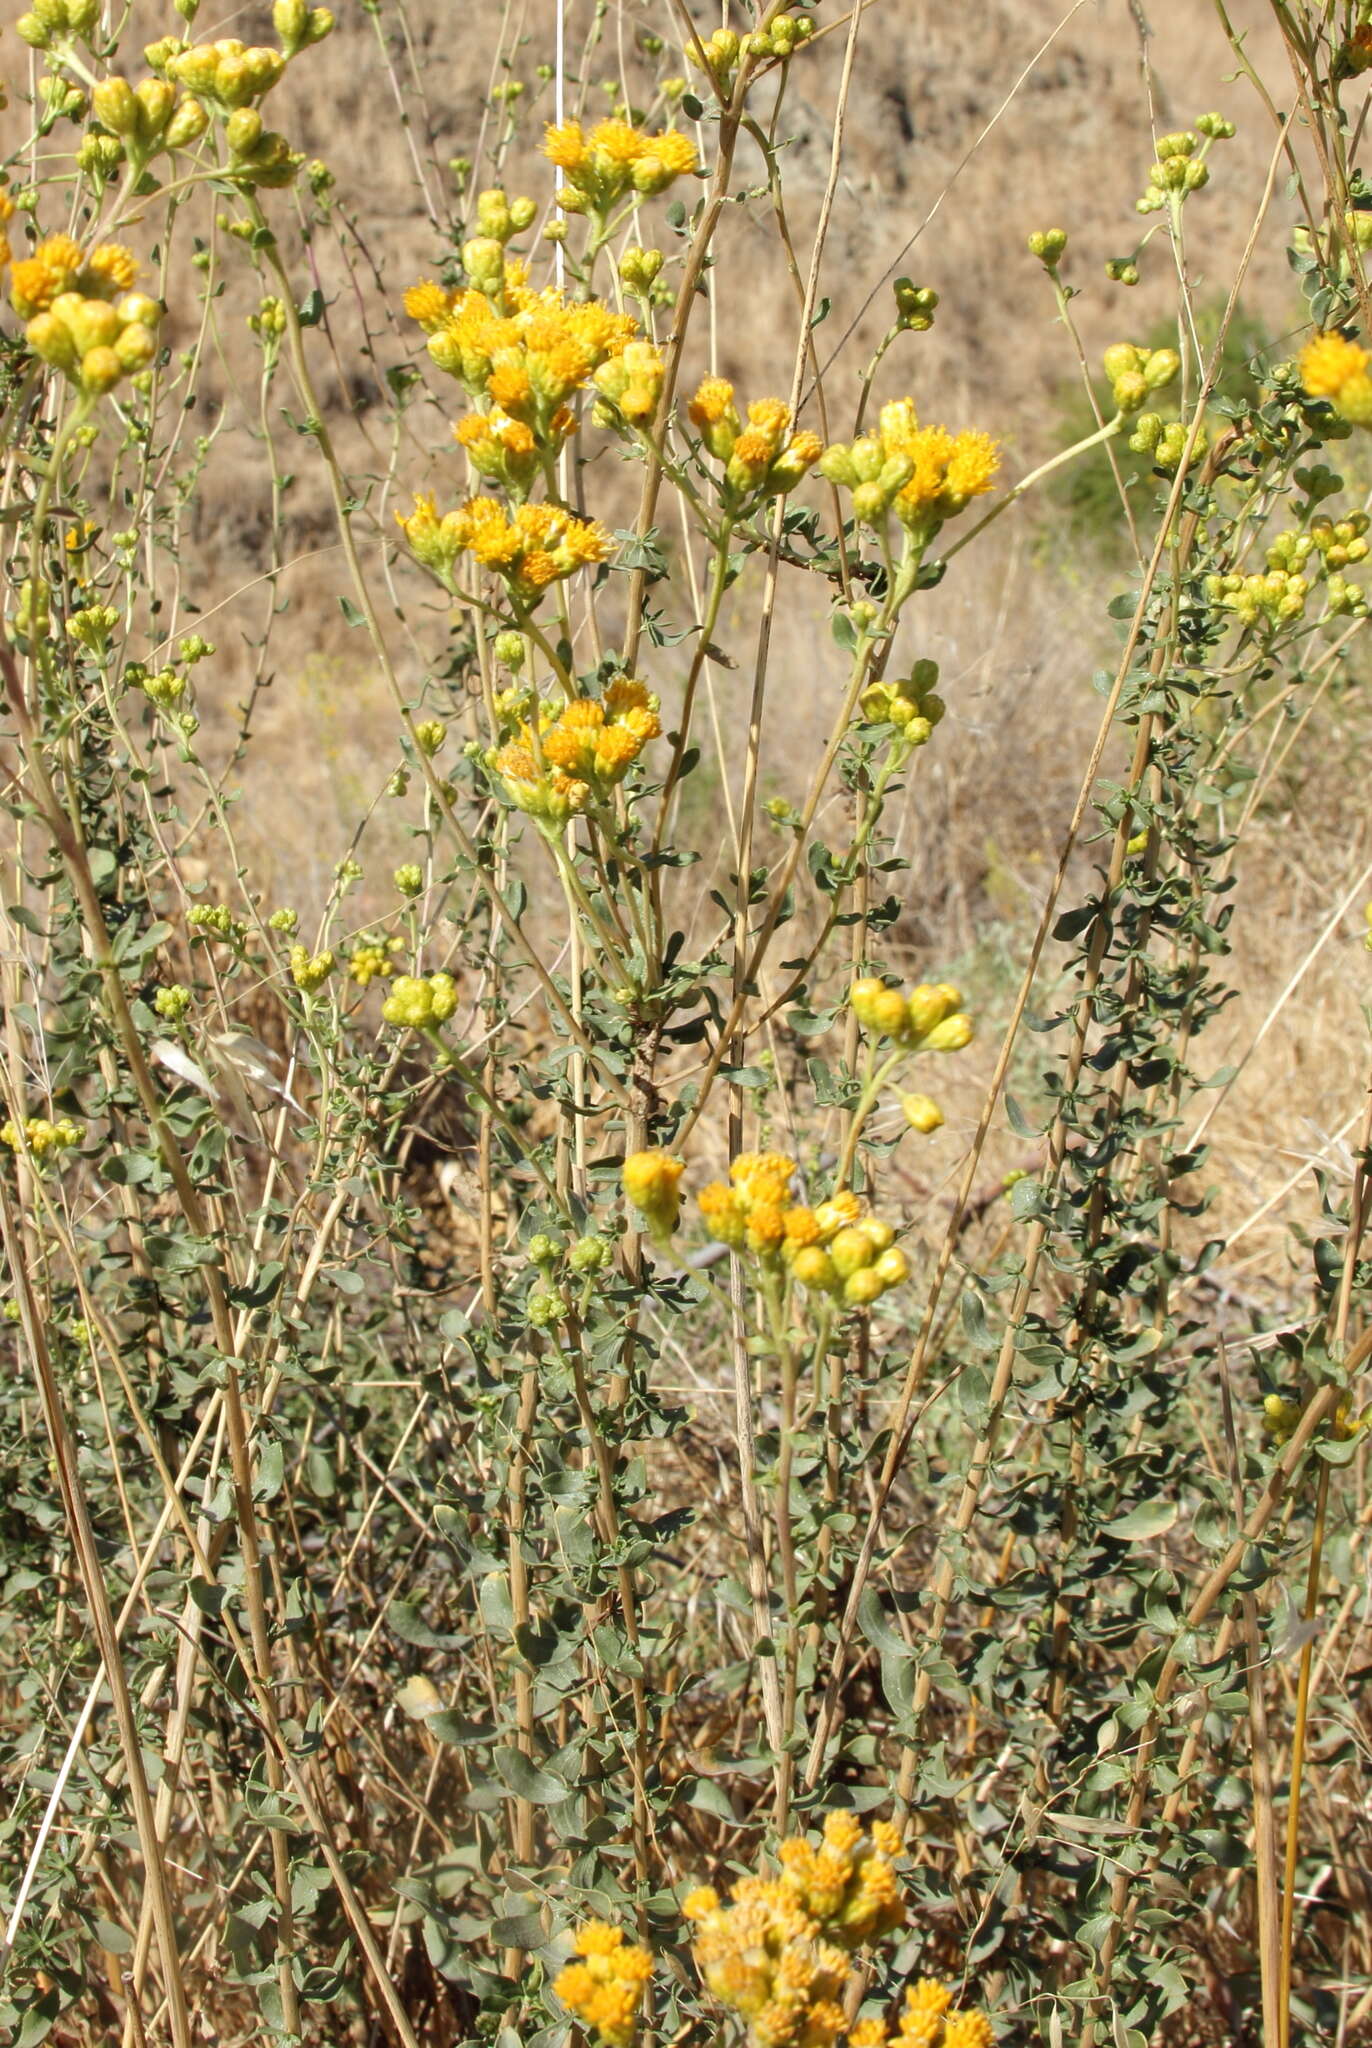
524 353
586 748
764 458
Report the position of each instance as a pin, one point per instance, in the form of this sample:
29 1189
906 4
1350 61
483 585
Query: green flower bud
589 1255
1049 245
243 131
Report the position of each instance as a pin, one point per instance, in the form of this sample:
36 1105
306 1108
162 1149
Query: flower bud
1049 245
836 464
243 131
589 1255
915 305
114 106
867 456
101 370
1120 360
51 339
870 504
951 1035
850 1251
638 269
483 259
187 124
135 347
862 1288
889 1017
921 1113
1161 368
892 1268
814 1269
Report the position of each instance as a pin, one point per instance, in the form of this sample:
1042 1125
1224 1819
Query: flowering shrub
515 1392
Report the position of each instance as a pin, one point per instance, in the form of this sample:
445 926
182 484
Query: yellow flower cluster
420 1001
929 2020
525 353
765 458
778 1953
82 317
310 971
832 1249
630 385
615 158
530 547
374 960
1335 368
652 1182
147 118
229 73
604 1989
41 1136
924 474
929 1018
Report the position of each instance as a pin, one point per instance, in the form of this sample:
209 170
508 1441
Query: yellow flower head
605 1988
925 474
428 303
35 281
1327 363
967 2030
724 1214
922 2019
762 458
652 1181
778 1953
109 269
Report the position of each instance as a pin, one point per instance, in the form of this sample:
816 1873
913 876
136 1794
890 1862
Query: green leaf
409 1624
1152 1518
527 1781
